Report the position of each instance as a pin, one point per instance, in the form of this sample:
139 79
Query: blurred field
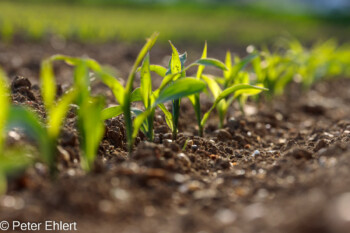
186 24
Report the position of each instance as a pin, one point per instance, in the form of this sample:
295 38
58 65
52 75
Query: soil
283 167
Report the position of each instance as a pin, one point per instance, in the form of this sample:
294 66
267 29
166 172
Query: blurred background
113 31
239 22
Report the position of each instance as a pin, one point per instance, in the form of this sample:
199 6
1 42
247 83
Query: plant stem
128 123
197 109
175 112
150 123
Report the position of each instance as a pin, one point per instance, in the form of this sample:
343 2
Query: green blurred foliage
180 22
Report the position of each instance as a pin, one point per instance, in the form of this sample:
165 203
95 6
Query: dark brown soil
284 167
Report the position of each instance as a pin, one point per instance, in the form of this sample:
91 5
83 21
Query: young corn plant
177 67
221 103
90 122
195 99
170 88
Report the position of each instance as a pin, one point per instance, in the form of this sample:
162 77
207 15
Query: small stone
120 194
232 123
226 216
255 153
63 153
314 109
299 153
167 142
223 164
174 147
321 144
167 136
194 147
184 158
223 135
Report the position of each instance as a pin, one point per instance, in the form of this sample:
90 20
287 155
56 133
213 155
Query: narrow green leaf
92 129
136 95
211 62
213 86
145 49
28 120
241 65
166 80
48 89
228 63
180 88
160 70
175 62
116 87
5 104
227 92
249 92
235 88
138 122
56 114
201 67
168 116
146 82
111 112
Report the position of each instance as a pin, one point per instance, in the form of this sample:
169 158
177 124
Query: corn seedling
169 90
221 103
177 67
90 122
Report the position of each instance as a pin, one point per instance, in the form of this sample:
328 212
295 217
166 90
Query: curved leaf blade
180 88
111 112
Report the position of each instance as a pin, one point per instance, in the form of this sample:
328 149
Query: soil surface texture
283 167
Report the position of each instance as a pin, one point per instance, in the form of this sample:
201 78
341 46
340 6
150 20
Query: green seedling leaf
147 47
168 116
111 112
14 161
82 81
201 67
92 128
211 62
228 63
56 114
175 62
240 66
136 95
160 70
139 121
249 92
5 105
213 86
167 79
146 82
48 89
116 87
27 120
227 92
180 88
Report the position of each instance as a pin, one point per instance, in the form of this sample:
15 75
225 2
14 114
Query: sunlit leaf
175 62
56 114
168 116
5 104
111 112
146 82
211 62
180 88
